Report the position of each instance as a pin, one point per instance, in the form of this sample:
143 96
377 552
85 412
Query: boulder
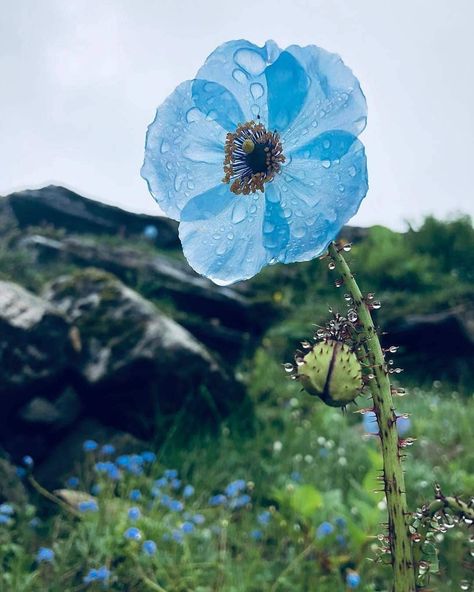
34 342
137 365
62 208
232 317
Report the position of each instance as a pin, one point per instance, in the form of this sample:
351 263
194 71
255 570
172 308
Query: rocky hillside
105 331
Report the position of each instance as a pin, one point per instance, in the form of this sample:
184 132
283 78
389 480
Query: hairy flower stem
399 537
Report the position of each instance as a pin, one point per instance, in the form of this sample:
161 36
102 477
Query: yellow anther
248 146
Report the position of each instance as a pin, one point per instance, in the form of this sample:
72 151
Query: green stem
399 537
52 498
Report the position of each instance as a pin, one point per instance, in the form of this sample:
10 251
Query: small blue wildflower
28 461
133 533
314 108
235 487
341 540
198 519
176 506
165 500
340 522
35 522
177 536
296 476
72 482
149 547
4 519
108 468
324 529
161 482
90 446
353 579
171 473
403 425
7 509
108 449
148 456
187 527
240 501
135 495
175 484
264 517
188 491
20 472
134 513
150 232
88 506
156 492
256 534
97 575
96 489
44 555
123 460
217 500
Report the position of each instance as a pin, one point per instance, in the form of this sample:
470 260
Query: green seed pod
332 372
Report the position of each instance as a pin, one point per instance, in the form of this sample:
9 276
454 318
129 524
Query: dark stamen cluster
254 163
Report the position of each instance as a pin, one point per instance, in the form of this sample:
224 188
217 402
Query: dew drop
341 188
255 109
376 304
339 282
193 115
221 249
347 247
331 265
249 60
287 213
352 171
464 585
326 144
239 212
256 90
164 147
268 227
230 236
288 367
352 316
299 231
239 75
326 164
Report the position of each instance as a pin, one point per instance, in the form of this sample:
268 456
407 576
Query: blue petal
184 152
208 204
276 230
227 247
320 196
217 103
334 99
287 89
239 66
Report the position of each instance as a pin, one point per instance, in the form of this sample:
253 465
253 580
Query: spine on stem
394 481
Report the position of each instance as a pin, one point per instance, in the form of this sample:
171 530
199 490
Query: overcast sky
80 81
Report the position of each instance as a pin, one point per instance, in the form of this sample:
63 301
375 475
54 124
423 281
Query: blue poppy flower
258 157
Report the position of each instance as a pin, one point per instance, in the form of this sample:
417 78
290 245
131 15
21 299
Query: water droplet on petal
239 75
221 249
256 90
239 212
352 171
299 231
268 227
251 61
193 115
230 236
164 147
326 144
326 164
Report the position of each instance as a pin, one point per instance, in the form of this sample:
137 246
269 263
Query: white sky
80 81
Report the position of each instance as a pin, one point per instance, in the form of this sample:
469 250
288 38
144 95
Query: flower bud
332 372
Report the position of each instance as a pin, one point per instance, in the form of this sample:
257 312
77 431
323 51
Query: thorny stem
394 480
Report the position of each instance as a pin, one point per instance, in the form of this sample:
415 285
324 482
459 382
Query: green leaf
305 500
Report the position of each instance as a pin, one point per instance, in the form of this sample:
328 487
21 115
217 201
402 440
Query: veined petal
227 247
184 152
239 66
334 99
276 230
217 103
288 85
320 196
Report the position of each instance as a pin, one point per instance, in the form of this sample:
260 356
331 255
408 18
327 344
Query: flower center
253 157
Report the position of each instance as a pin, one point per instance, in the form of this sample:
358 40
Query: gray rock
137 363
55 414
34 339
62 208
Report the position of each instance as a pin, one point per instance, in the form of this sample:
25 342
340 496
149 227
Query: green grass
305 464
